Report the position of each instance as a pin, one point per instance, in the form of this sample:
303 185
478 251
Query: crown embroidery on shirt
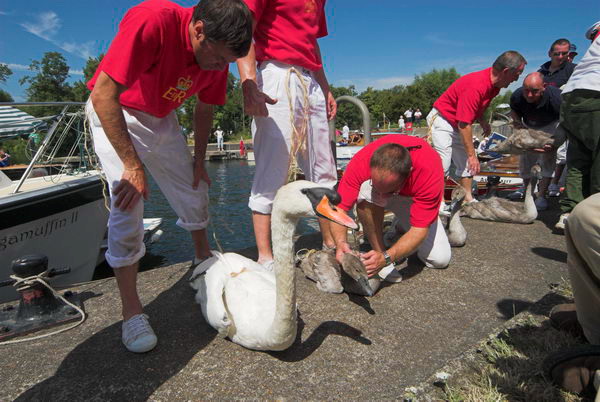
183 84
178 94
310 7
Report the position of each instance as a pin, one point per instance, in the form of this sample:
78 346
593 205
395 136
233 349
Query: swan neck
282 233
529 202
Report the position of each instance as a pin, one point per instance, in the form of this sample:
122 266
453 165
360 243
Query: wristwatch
388 259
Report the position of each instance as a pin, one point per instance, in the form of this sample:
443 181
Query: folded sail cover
15 123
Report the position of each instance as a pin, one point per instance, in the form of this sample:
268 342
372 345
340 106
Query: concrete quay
348 347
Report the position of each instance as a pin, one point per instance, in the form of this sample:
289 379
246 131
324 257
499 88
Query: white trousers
272 135
448 144
163 150
435 251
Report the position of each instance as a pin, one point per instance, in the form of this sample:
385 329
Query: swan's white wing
210 279
236 263
209 294
251 303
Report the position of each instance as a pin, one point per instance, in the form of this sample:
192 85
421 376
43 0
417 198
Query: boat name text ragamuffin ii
43 230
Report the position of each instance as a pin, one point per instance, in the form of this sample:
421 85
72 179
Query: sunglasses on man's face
560 53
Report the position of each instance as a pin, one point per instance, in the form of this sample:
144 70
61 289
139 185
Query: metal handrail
42 103
366 121
57 119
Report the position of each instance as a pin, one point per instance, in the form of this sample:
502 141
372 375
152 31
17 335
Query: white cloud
83 50
47 25
16 67
22 67
376 83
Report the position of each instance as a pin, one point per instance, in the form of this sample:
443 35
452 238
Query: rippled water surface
230 218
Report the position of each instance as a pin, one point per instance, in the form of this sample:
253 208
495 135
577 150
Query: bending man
162 54
403 174
464 102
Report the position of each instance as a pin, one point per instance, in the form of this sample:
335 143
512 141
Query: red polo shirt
287 31
425 184
467 98
153 57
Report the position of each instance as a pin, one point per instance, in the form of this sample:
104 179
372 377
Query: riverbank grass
508 367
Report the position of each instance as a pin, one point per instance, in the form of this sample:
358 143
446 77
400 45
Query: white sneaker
138 336
389 273
560 225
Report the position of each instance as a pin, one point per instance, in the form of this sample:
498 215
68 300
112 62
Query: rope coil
299 134
23 283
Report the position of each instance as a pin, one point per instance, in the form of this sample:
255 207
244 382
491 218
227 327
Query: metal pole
366 121
41 149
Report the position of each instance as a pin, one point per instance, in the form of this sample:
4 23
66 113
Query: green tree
48 84
5 72
427 87
80 91
503 98
372 99
347 113
230 116
5 96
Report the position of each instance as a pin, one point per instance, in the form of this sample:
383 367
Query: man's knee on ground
437 263
439 259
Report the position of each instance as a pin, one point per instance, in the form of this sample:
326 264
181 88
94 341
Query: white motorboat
62 215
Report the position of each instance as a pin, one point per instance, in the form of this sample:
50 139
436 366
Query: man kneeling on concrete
537 106
402 174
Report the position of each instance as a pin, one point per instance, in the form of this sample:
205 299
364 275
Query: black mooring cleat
38 307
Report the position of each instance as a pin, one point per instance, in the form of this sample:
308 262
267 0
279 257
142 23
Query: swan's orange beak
326 210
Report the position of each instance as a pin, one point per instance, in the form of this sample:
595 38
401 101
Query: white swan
244 302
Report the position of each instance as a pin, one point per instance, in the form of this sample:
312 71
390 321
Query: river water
230 217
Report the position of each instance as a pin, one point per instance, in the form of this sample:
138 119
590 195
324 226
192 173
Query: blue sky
378 43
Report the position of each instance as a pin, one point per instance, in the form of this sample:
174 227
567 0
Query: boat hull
65 222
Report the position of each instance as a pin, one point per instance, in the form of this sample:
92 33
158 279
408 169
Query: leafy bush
17 149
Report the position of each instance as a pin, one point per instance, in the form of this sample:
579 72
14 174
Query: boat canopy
16 123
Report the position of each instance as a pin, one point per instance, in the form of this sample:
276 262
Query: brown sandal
573 369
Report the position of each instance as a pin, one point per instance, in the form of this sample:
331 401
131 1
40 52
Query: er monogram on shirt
177 94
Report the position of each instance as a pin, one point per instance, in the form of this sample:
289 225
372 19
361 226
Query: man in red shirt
464 102
404 174
289 97
162 54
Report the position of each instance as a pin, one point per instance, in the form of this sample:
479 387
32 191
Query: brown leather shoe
573 369
564 318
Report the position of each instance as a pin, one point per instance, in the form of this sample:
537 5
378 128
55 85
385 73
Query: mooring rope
41 278
299 134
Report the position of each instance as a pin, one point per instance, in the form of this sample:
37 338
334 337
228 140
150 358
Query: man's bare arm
254 100
466 134
407 244
105 98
